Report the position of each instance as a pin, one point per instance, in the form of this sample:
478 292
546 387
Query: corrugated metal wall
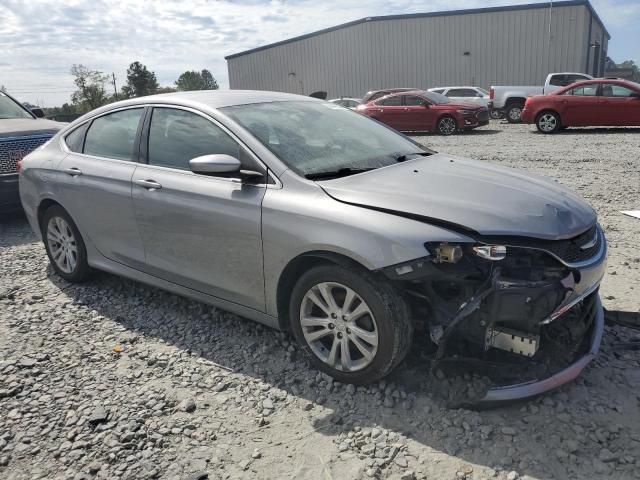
506 47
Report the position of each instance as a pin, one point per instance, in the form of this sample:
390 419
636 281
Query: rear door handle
148 184
73 171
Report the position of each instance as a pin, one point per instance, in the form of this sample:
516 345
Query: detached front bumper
534 388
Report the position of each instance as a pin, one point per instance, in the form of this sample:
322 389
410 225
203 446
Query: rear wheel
447 125
513 112
352 325
64 245
548 122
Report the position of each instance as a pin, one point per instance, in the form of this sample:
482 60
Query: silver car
311 218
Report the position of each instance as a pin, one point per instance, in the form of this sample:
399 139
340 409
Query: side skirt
96 260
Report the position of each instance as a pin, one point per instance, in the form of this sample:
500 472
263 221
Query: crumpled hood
13 127
485 198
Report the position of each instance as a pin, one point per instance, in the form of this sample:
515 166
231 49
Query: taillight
491 92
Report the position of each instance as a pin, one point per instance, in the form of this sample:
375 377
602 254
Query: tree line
95 88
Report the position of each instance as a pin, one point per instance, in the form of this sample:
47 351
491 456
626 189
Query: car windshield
10 109
436 98
315 138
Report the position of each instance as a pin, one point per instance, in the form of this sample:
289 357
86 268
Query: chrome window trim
277 184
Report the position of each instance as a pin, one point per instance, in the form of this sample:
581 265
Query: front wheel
352 325
513 112
495 114
548 122
447 126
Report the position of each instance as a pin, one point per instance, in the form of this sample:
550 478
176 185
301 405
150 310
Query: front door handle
148 184
73 171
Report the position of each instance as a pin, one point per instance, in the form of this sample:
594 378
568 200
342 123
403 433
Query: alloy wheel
515 113
447 126
547 122
339 326
62 244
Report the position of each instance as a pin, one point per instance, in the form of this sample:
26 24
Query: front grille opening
14 149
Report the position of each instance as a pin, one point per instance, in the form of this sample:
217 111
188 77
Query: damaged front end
523 312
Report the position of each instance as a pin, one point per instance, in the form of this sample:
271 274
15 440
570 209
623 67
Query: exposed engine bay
500 305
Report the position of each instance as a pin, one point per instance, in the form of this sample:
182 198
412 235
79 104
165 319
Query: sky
40 40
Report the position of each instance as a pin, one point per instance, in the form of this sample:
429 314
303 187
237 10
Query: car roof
449 88
212 98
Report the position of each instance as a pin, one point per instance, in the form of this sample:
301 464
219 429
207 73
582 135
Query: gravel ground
116 380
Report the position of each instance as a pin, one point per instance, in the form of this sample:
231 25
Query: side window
584 91
439 90
177 136
394 101
559 81
412 101
461 92
113 135
613 90
75 139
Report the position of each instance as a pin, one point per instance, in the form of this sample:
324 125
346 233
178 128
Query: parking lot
113 379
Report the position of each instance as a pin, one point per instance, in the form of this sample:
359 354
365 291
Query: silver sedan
311 218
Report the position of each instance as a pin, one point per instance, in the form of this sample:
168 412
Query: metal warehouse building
515 45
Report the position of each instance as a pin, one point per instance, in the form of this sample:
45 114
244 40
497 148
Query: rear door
580 106
201 232
390 111
619 105
95 183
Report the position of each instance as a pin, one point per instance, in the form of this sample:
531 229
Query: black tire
548 122
447 125
81 272
496 114
391 313
513 111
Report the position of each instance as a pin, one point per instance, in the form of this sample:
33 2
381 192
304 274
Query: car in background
475 95
424 111
21 131
510 99
347 102
316 220
601 102
376 94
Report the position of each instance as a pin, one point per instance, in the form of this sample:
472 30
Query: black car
21 131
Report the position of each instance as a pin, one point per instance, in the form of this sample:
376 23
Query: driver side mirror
214 164
38 112
635 95
224 166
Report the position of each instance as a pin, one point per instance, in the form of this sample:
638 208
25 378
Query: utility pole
115 89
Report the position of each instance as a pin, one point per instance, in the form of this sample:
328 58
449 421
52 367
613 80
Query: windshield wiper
341 172
406 156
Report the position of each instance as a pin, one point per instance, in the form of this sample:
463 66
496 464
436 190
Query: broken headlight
491 252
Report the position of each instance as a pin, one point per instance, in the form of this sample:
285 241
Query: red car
421 111
599 102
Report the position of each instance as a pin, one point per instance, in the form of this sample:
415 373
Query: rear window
113 135
391 101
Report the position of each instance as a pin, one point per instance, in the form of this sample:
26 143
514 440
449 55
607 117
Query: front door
201 232
619 105
419 117
580 106
95 184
